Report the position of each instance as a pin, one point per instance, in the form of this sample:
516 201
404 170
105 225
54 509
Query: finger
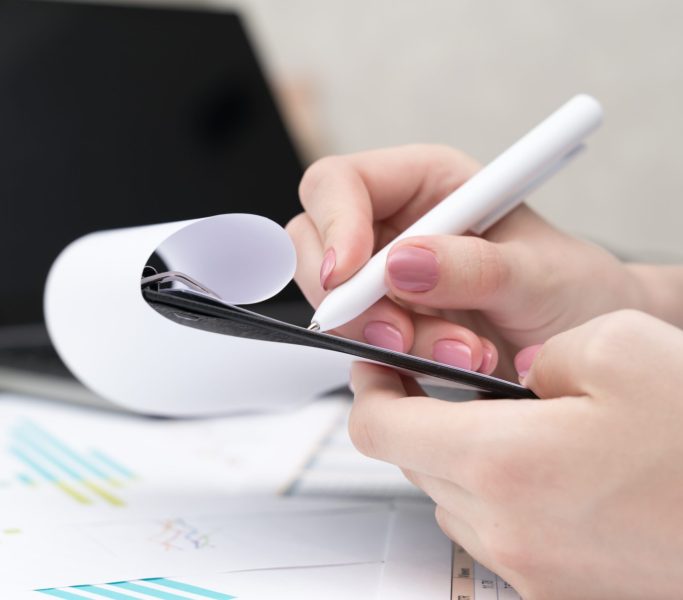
457 272
452 344
581 361
438 438
345 195
559 367
384 324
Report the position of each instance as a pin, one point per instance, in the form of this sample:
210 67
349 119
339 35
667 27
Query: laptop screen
113 116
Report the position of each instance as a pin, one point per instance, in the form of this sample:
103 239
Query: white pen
477 204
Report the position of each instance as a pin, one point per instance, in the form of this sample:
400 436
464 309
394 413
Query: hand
518 285
579 495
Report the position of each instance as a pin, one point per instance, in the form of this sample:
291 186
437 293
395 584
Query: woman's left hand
578 495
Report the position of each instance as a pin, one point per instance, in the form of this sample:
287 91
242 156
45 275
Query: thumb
454 272
554 369
610 352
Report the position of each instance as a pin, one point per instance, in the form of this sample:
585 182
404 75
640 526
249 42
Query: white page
126 352
61 462
188 507
416 564
418 558
285 534
311 583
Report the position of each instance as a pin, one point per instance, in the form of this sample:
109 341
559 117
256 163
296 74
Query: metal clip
156 279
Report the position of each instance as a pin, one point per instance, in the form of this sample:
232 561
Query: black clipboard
201 311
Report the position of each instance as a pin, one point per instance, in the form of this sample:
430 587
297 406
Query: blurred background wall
360 74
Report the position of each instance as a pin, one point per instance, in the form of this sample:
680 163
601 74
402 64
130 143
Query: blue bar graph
86 477
175 590
31 432
192 589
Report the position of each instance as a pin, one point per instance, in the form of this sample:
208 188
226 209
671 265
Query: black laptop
115 116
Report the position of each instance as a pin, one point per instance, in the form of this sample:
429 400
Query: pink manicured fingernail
413 269
525 358
329 261
454 353
384 335
486 361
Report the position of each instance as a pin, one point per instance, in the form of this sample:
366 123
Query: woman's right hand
456 299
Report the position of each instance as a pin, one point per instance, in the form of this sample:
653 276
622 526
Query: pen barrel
481 199
513 170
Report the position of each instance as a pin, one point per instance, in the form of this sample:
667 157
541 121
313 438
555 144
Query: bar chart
84 475
155 589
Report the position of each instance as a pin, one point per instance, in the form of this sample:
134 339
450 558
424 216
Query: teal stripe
23 457
25 479
64 594
112 464
93 589
51 458
190 589
62 447
152 593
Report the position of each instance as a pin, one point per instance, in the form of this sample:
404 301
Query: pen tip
313 326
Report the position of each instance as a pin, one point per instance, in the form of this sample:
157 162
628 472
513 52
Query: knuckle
296 224
317 172
449 155
615 333
485 270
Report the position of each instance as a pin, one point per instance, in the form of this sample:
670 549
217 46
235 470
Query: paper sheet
89 496
67 463
338 470
184 506
272 536
127 353
416 564
418 561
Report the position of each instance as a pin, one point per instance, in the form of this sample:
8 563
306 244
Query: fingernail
524 359
384 335
413 269
329 260
454 353
486 361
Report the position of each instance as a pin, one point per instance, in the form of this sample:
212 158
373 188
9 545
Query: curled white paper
124 351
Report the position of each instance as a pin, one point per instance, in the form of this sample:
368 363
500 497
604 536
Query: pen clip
517 197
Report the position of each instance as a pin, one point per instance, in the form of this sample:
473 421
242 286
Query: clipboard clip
152 279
